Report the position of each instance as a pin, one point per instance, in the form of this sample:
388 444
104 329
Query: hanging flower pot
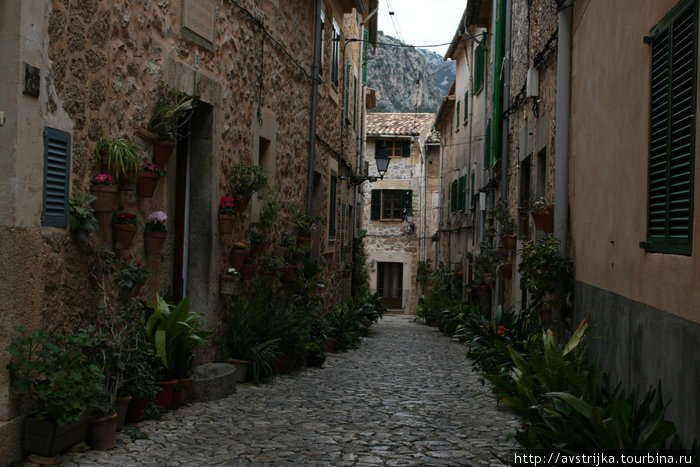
123 236
226 223
162 151
508 241
240 203
105 189
506 271
238 255
146 184
153 241
257 248
544 220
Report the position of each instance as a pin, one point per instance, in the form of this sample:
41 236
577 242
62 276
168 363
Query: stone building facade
393 244
87 69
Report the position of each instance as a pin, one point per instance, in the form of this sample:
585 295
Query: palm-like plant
118 155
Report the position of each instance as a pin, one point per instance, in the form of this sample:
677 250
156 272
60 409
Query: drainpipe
423 255
437 244
505 126
315 72
563 109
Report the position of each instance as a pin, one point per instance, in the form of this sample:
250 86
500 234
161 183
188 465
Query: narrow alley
407 396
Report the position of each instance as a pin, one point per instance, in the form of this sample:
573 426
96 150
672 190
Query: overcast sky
422 22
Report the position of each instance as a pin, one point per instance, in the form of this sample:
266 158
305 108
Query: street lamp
382 158
408 216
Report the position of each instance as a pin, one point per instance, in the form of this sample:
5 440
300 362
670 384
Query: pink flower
158 216
103 179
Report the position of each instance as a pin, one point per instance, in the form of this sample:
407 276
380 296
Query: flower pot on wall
123 236
508 241
544 220
146 184
102 433
162 151
258 248
226 223
237 257
506 271
106 195
153 242
240 203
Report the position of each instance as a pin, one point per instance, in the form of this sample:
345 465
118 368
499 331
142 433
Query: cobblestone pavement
407 396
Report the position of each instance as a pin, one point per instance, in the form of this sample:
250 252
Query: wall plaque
198 16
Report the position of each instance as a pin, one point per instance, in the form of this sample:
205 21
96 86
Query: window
335 54
479 67
462 202
472 184
457 117
454 202
390 204
56 178
395 147
323 33
347 91
466 106
365 55
354 102
672 132
333 189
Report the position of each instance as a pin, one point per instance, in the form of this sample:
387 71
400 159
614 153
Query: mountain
408 79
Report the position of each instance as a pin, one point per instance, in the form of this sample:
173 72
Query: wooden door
390 284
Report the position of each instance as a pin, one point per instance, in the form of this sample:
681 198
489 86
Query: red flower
501 331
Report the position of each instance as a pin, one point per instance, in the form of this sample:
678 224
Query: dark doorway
390 284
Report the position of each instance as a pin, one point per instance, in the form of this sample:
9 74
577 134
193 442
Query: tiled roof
398 124
434 137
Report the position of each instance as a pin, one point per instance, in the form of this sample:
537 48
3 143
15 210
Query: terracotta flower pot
123 235
146 184
237 257
544 220
162 151
240 203
247 271
181 393
102 433
508 241
165 396
106 195
121 404
137 406
226 223
153 242
506 271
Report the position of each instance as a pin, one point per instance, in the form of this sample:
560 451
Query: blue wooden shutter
672 132
56 178
376 209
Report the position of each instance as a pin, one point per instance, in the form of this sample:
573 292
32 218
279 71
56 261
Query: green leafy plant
81 215
485 260
273 263
303 221
541 204
270 209
256 237
131 275
501 213
245 179
52 377
118 155
175 333
171 112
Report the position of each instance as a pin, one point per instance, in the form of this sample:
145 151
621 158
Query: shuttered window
347 91
472 185
454 203
332 205
56 178
365 55
354 102
335 54
342 231
391 204
479 67
466 106
458 118
323 33
672 132
462 202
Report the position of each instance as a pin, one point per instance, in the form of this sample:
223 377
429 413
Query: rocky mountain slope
408 79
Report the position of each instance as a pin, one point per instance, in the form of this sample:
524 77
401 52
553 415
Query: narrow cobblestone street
407 396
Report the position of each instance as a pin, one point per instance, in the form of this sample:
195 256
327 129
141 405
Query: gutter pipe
506 125
314 108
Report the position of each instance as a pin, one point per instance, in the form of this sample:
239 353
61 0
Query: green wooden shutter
487 142
342 231
672 132
376 207
332 205
479 67
365 56
453 197
472 188
457 119
56 178
462 202
466 105
354 102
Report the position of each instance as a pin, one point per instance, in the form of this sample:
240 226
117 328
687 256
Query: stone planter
213 381
162 151
153 242
146 184
106 195
123 236
48 439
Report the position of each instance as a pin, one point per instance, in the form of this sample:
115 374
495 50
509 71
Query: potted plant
542 212
247 268
52 379
238 254
81 217
244 180
130 278
270 210
304 225
171 112
485 261
104 188
124 225
148 179
272 264
505 269
119 156
226 214
297 253
155 232
174 332
508 235
228 280
257 243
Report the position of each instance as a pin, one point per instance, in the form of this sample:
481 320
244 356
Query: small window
397 148
466 106
457 117
335 55
332 202
56 178
391 204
